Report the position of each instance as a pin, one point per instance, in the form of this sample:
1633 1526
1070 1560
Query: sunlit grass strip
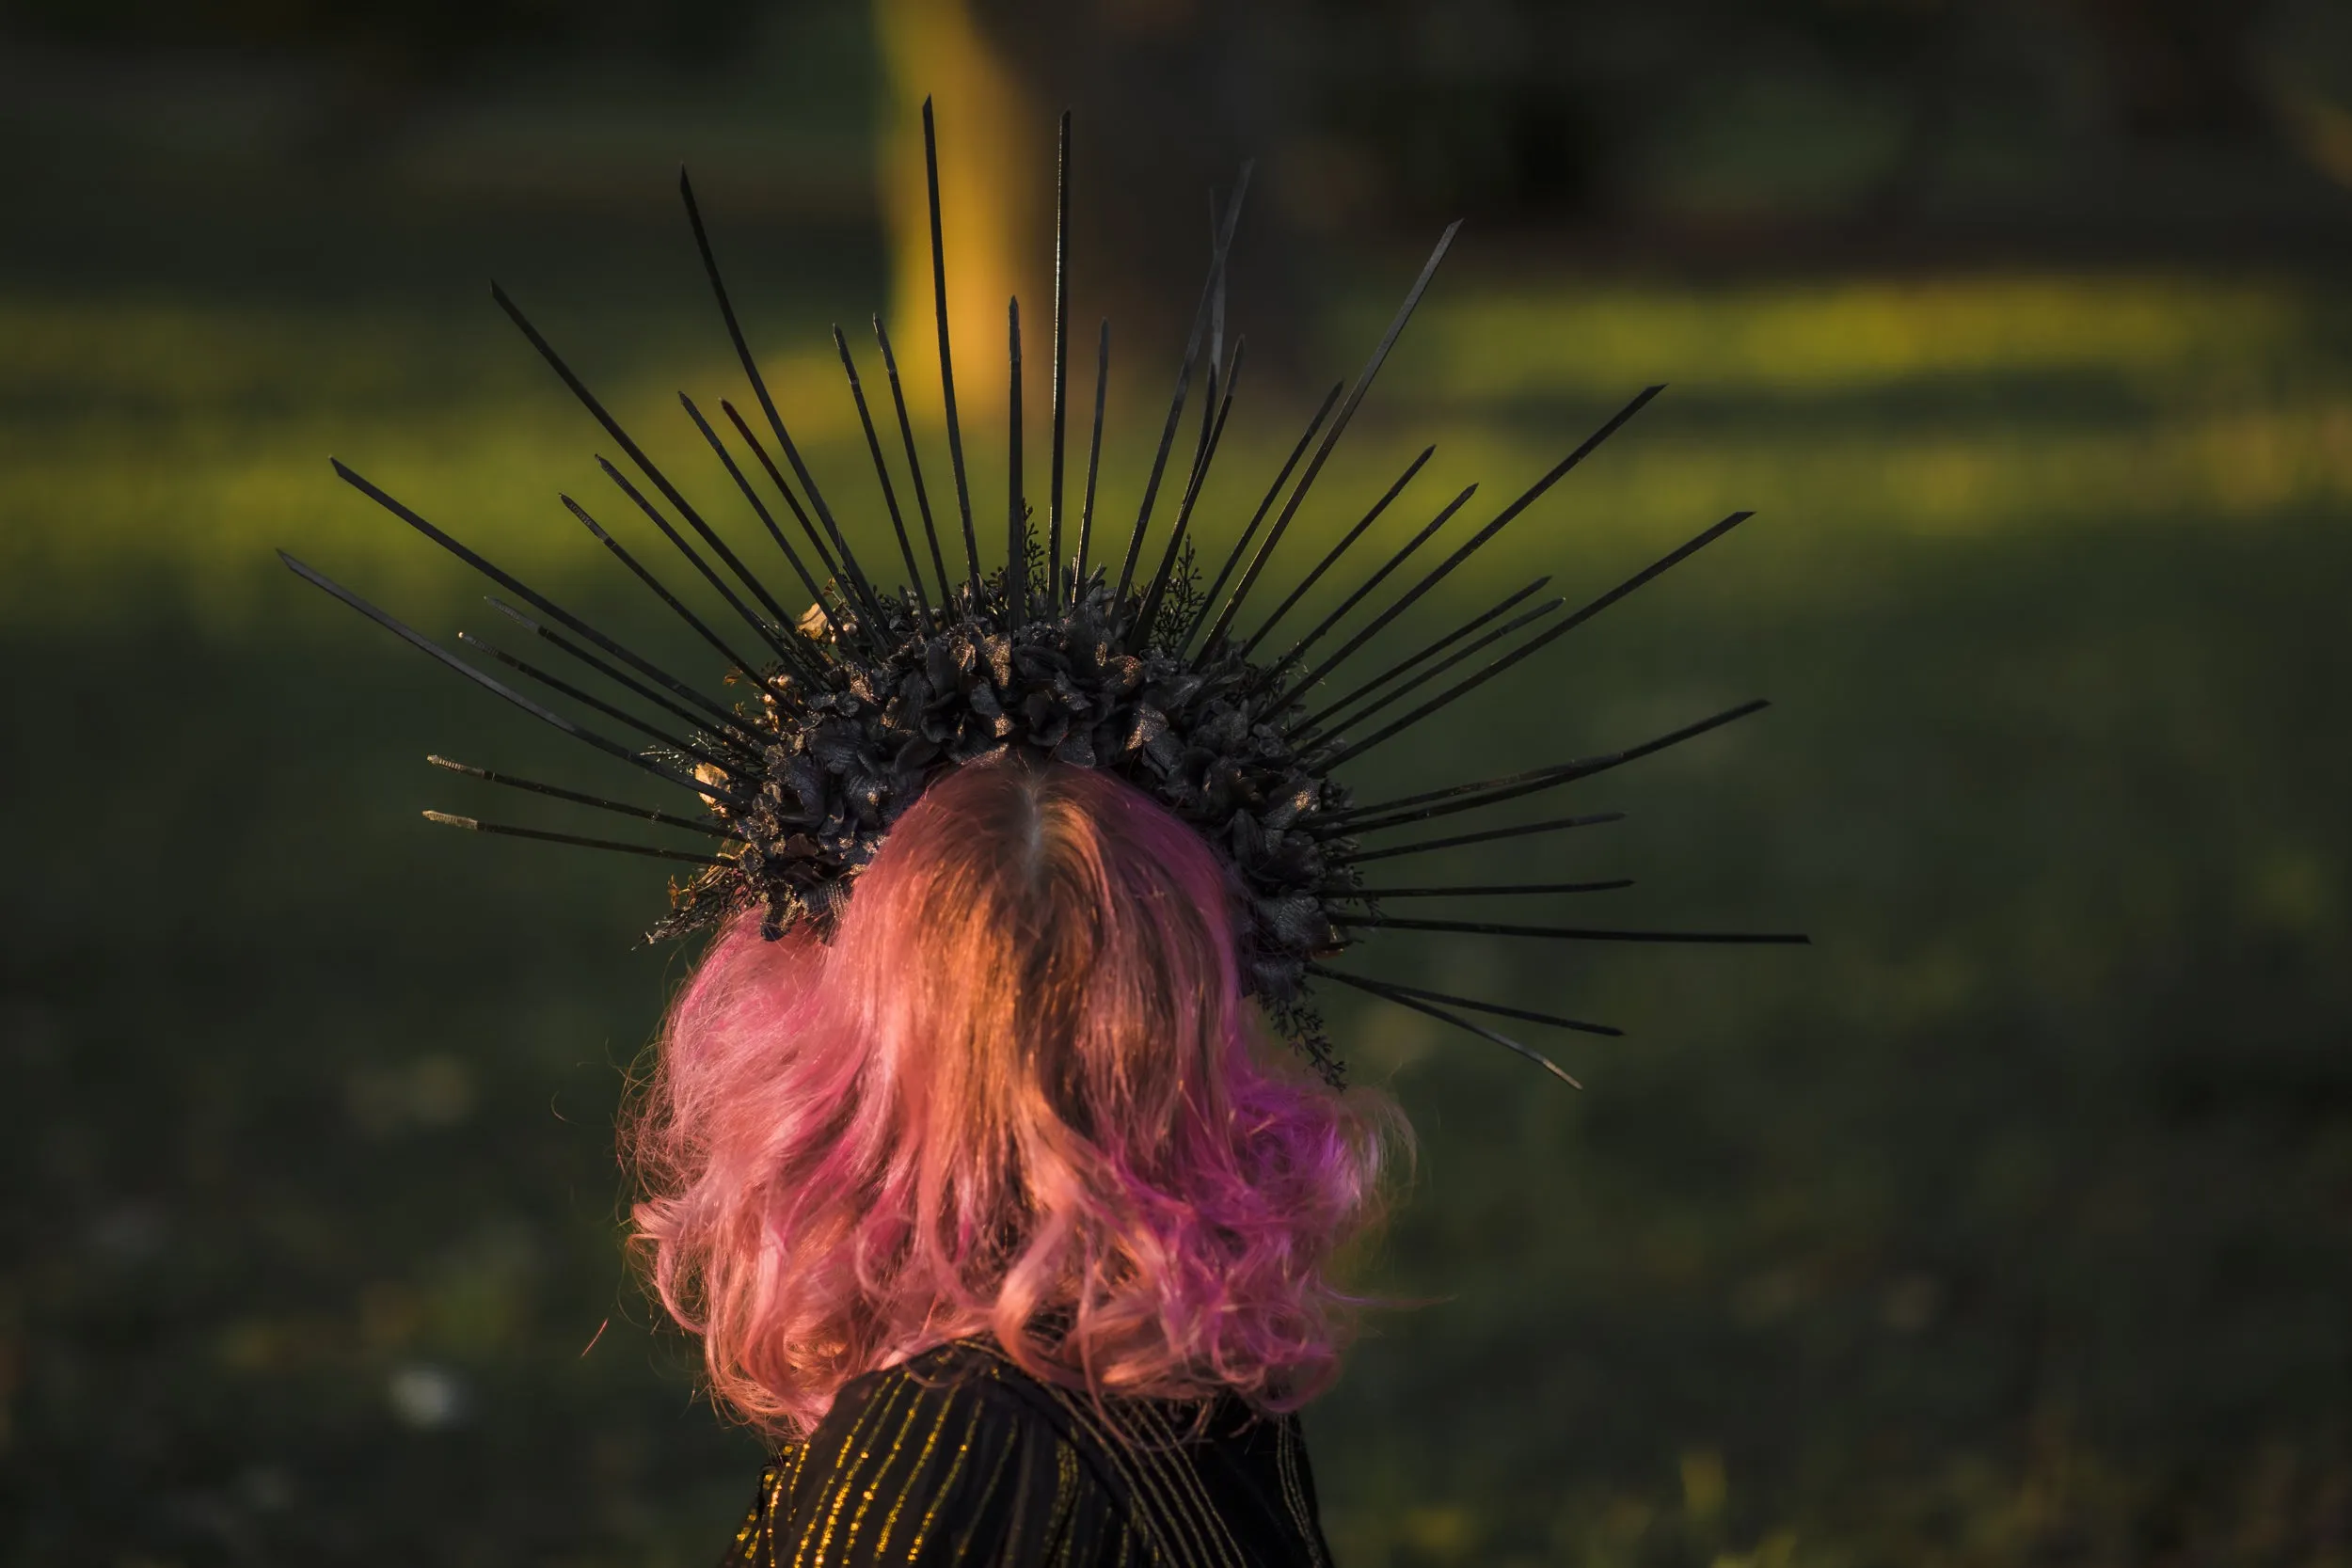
1821 336
214 501
187 441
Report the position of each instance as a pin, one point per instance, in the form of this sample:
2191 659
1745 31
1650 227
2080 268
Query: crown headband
873 692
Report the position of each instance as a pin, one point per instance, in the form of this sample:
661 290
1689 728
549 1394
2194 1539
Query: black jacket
959 1457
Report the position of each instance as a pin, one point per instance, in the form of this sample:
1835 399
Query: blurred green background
2006 1225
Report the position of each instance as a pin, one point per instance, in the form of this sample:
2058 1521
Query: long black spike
844 582
1332 556
1489 792
1213 435
1577 933
914 465
1274 491
636 454
1061 360
1406 999
1339 611
861 586
1356 596
753 740
505 830
800 567
554 683
1094 457
750 671
1520 830
1527 1014
646 814
947 358
1332 437
1531 1015
1476 543
1016 509
491 683
1203 447
1491 890
1542 638
770 633
1315 721
857 578
528 595
784 488
1220 248
882 471
1399 692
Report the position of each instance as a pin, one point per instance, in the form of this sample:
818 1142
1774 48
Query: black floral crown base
855 746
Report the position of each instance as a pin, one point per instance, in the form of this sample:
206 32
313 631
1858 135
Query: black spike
1339 611
946 359
914 465
1332 556
647 813
1241 544
1577 933
863 589
1332 437
1405 689
537 600
1219 249
548 716
882 471
1531 1015
1542 638
1316 721
636 454
1094 459
800 568
1489 792
1560 469
1493 889
844 582
799 515
1203 450
861 592
752 740
1521 830
1061 360
505 831
1016 512
772 633
1212 436
1477 541
1405 998
751 670
556 684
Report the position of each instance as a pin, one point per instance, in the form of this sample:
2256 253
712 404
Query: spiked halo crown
875 691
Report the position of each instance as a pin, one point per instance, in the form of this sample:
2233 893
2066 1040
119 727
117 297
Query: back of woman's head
1017 1093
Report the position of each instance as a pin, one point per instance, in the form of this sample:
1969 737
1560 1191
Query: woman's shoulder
960 1455
963 1395
973 1376
953 1456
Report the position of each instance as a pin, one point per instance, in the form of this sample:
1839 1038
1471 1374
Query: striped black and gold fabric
959 1457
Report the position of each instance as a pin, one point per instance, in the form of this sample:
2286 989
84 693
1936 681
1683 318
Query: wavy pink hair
1018 1093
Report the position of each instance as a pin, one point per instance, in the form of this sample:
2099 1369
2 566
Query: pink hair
1016 1094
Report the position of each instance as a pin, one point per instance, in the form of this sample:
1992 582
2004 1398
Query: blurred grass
2007 1225
185 438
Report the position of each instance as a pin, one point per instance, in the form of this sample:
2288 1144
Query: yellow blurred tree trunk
995 182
